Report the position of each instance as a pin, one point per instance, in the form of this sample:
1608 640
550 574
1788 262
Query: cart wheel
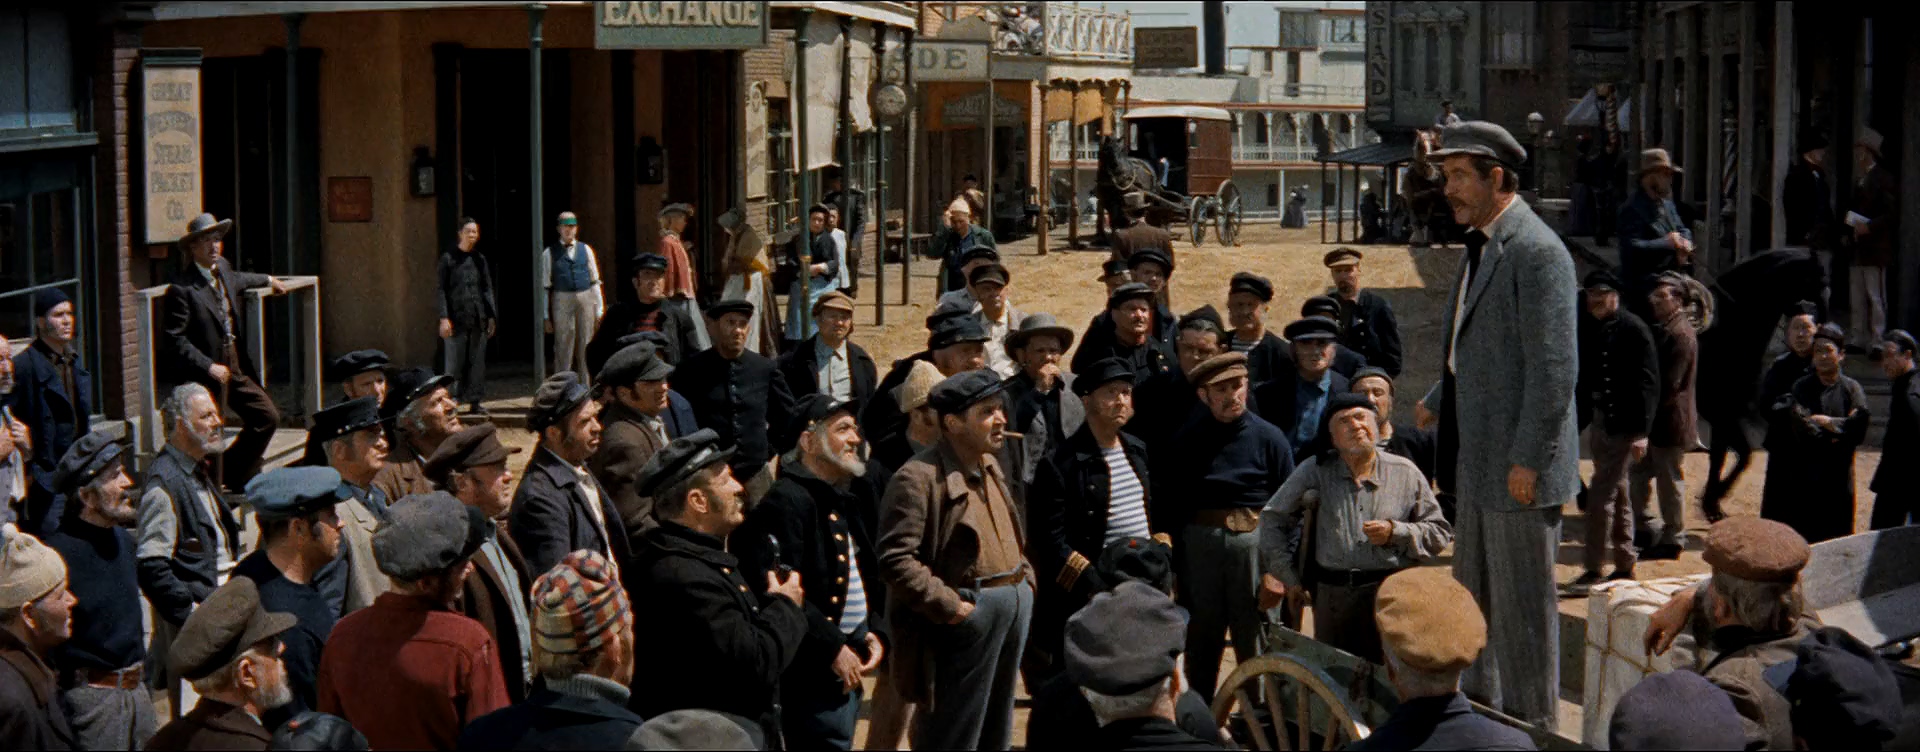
1199 215
1277 703
1228 221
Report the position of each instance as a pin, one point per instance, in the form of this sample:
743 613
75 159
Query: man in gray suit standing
1508 441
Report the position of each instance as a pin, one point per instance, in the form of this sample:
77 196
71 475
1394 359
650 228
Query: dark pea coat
1067 508
551 519
798 369
724 645
624 318
1267 358
1679 352
1102 341
1368 328
212 725
53 418
32 715
551 720
744 400
1899 472
626 443
1619 374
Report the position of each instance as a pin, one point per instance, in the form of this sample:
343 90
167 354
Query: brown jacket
1741 669
922 559
213 725
1679 350
405 473
1140 236
625 446
484 599
32 715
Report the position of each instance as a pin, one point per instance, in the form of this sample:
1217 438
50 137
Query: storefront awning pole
536 21
290 173
801 43
912 119
879 221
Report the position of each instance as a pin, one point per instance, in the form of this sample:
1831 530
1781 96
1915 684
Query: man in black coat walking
204 341
559 508
1366 320
468 315
1899 472
646 312
1616 396
739 395
723 645
815 522
829 362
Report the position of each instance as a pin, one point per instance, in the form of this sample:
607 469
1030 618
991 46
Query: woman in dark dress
1820 424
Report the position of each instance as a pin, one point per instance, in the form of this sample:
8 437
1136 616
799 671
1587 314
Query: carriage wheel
1278 703
1228 221
1199 215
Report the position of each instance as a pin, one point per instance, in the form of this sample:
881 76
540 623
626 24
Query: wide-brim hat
1035 325
204 226
1658 159
1134 201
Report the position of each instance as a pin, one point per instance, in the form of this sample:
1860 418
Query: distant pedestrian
852 205
468 317
819 271
575 298
361 373
681 292
748 268
230 650
1808 199
649 311
953 239
1367 324
1653 237
1873 219
1446 116
1894 503
1618 394
1346 360
1249 298
1293 400
830 363
1673 302
16 447
1826 418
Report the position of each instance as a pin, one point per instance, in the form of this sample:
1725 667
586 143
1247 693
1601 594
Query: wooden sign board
1166 47
680 26
170 142
951 61
350 199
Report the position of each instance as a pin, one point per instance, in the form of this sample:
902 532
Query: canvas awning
1393 149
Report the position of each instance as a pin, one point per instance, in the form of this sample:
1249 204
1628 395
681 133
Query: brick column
116 52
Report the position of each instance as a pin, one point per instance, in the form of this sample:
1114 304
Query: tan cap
912 394
959 206
28 570
1756 550
834 299
1429 620
1218 368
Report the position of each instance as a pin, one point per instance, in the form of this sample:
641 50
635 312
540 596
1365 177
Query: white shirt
1126 499
845 279
997 357
593 270
1466 281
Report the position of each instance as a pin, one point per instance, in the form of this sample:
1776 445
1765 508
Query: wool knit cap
45 300
1756 550
1429 621
1677 710
578 605
693 729
28 570
921 379
1843 693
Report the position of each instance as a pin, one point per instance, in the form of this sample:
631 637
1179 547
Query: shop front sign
680 25
170 142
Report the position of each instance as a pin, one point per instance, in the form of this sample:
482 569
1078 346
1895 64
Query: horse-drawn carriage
1181 162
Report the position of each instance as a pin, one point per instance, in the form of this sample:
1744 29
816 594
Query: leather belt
1351 578
1015 577
1237 519
127 678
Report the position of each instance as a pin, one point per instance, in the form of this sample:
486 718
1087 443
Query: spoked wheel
1228 221
1199 215
1274 702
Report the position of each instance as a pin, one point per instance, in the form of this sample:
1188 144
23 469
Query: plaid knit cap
578 606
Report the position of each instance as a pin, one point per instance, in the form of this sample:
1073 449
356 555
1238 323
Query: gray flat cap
427 534
1479 137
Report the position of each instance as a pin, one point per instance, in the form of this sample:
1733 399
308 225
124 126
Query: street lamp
1536 124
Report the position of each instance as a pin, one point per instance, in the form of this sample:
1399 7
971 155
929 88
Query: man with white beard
15 445
230 650
813 520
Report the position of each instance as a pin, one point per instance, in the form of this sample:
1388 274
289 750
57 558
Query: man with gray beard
230 650
813 521
423 414
15 445
189 540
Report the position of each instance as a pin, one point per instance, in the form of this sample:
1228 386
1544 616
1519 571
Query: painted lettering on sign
171 121
1379 65
950 61
683 25
742 14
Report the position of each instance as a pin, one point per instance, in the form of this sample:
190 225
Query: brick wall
768 63
117 51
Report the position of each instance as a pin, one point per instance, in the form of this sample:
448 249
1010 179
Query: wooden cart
1181 160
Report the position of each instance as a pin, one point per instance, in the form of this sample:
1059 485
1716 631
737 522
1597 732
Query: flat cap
1218 368
1480 138
1841 687
1677 710
1100 373
817 407
1153 255
979 253
732 305
1312 328
1129 291
89 457
1373 372
428 533
289 492
341 420
410 384
1134 558
834 299
952 330
1039 324
675 208
1429 620
1601 279
1320 305
634 363
657 339
355 363
1756 550
222 627
1126 640
991 272
557 398
922 377
1341 257
317 732
963 390
680 459
477 445
1251 284
649 262
692 729
29 569
1113 266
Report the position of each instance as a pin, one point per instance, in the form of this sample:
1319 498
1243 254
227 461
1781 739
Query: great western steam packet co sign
170 142
688 25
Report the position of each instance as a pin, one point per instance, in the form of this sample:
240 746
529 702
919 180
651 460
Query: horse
1749 300
1119 175
1423 192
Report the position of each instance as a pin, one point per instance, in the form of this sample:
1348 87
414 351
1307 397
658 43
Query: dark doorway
495 168
700 99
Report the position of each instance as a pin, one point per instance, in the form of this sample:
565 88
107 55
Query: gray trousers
1660 470
1343 618
1220 589
975 665
1506 560
1609 523
106 718
467 363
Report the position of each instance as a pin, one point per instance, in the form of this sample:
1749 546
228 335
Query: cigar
1013 435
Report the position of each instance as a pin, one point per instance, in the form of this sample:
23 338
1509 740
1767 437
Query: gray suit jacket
1515 366
365 581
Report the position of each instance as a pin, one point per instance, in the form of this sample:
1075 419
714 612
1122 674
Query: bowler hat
1134 201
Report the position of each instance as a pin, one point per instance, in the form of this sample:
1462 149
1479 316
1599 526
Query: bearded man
422 413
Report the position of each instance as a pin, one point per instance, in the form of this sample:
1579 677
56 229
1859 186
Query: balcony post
1073 165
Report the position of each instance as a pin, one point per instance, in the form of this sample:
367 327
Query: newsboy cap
1129 291
1251 284
222 627
474 446
1429 621
1312 328
964 390
355 363
1846 690
410 384
680 459
835 300
288 492
1480 138
557 398
1101 373
731 305
634 363
29 569
991 272
1151 255
649 262
426 534
89 457
1677 710
1341 257
1756 550
1125 641
1218 368
922 377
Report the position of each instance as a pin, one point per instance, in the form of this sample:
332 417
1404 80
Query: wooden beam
1783 68
1743 151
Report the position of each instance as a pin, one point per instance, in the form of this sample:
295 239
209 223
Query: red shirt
410 674
679 267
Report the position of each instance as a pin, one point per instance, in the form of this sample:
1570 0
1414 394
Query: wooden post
1339 203
1743 152
912 119
1693 115
1042 224
1073 167
1783 68
1711 45
1669 80
879 187
1323 207
800 44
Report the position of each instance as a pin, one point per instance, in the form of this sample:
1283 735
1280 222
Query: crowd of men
712 547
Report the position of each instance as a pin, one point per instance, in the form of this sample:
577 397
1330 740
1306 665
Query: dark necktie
1476 242
64 363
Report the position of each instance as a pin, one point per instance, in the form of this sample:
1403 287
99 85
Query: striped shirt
855 612
1126 500
1240 345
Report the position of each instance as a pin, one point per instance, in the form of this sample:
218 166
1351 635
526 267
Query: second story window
1512 34
36 73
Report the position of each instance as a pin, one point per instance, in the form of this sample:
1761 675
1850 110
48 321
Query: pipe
1213 22
536 24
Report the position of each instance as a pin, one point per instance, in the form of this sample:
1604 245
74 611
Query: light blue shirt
1311 399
